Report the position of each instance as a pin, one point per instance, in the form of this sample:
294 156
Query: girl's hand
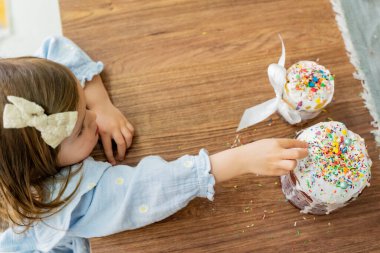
271 157
111 122
113 125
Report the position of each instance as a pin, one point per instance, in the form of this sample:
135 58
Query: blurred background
25 23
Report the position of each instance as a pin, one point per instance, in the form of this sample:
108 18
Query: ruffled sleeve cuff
62 50
205 178
88 71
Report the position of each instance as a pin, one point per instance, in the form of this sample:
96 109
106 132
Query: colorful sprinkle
337 157
308 82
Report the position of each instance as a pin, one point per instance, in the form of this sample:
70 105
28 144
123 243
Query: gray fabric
362 21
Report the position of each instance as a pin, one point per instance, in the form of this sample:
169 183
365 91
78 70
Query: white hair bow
277 78
23 113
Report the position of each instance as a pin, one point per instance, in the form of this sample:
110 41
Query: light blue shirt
110 198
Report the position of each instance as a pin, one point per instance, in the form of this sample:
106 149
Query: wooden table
183 71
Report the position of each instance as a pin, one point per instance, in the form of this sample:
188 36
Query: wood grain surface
183 72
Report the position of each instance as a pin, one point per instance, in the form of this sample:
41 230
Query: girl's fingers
292 143
127 136
287 165
282 172
121 145
294 153
130 127
107 145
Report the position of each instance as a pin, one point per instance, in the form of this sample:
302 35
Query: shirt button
143 208
119 180
188 164
91 185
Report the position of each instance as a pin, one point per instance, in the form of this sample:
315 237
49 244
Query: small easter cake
309 88
334 174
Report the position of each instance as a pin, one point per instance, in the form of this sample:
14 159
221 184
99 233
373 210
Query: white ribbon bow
23 113
277 78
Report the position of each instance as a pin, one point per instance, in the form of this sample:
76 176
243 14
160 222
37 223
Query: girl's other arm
111 122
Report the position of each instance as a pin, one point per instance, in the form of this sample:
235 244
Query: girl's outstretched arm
113 199
127 198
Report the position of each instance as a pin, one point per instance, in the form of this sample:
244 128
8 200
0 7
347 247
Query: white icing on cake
337 168
309 87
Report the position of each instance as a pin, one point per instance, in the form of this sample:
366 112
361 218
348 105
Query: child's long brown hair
26 161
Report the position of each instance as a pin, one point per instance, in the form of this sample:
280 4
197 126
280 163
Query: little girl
53 196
